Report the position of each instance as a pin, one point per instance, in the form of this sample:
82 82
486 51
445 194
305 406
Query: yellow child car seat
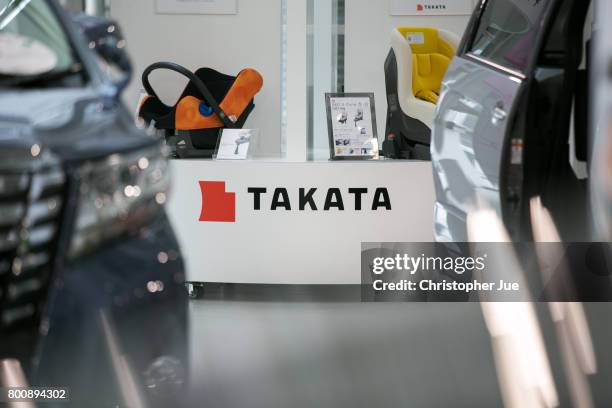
414 70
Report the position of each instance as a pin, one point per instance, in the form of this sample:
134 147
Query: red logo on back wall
420 7
217 204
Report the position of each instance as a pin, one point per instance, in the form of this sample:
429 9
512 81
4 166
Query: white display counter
300 245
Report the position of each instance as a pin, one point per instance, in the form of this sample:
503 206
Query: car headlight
118 195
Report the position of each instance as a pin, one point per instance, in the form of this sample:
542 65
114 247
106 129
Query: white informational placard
196 6
234 144
352 126
430 7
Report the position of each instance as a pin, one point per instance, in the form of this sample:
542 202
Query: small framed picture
351 124
234 144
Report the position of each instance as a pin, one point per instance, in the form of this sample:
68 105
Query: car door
601 137
480 95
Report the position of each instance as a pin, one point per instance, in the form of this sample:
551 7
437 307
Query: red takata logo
420 7
217 204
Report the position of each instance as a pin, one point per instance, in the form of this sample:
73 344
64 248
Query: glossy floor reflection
266 354
341 355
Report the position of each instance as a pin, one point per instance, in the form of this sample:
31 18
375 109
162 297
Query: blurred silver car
601 140
512 122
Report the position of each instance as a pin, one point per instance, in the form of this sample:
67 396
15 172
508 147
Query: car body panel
74 122
468 141
472 128
601 136
144 303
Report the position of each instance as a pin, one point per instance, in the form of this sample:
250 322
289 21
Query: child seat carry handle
210 100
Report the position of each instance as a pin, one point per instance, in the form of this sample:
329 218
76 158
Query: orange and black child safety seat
211 101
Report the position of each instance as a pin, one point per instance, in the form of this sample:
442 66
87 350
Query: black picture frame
330 125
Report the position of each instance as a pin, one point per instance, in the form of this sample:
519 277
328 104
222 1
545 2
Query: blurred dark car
92 290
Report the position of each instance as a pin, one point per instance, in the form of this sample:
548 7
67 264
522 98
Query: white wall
368 33
227 43
74 6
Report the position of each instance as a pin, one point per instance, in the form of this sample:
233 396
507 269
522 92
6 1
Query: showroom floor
266 354
336 355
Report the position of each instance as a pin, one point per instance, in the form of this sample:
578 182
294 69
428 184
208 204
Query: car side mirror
106 39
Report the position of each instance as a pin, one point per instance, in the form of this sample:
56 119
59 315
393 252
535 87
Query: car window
507 32
34 48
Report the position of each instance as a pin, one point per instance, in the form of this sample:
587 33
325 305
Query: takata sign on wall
430 7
